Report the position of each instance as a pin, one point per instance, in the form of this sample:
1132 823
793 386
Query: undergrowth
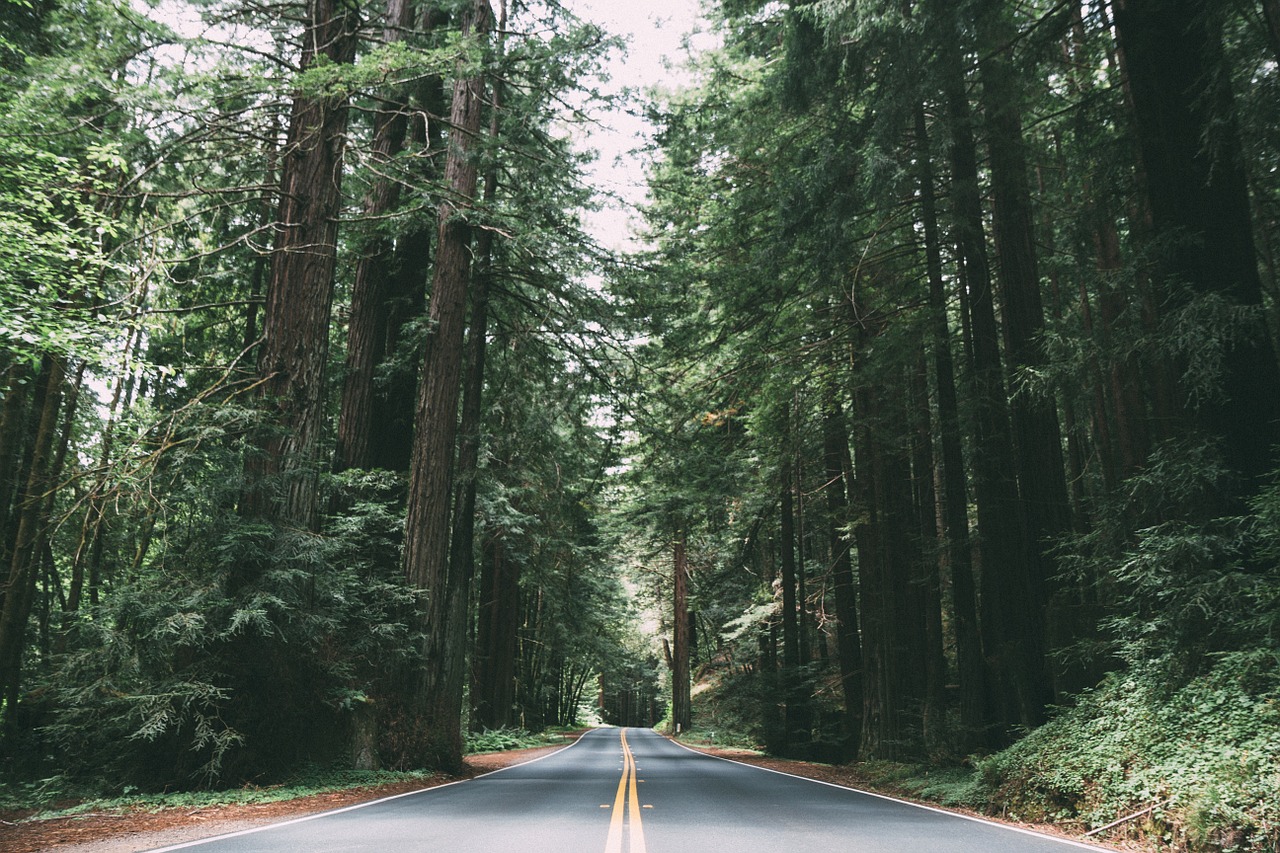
1204 758
47 795
498 740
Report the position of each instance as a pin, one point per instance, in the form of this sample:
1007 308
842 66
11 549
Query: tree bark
427 550
299 297
497 635
1036 430
1012 633
24 552
367 328
1184 115
955 515
796 717
927 584
848 643
462 558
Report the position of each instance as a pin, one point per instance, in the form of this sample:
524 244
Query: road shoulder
134 831
847 776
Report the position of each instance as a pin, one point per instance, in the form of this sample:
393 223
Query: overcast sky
655 30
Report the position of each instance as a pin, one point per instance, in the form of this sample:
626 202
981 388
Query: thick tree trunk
24 552
1012 633
462 558
928 582
299 296
374 430
1036 430
497 639
877 741
14 437
1037 433
367 329
427 549
1195 182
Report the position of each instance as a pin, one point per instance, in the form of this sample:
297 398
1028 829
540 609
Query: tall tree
294 355
439 688
385 279
681 711
1184 115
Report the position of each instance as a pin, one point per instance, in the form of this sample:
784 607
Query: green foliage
310 781
1191 724
165 683
1206 754
499 740
52 258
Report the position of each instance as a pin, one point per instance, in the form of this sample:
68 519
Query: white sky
655 30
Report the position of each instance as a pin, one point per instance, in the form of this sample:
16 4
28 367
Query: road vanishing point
634 791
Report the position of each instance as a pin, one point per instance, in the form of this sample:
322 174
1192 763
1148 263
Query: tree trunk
1036 430
796 718
877 718
462 557
848 642
1037 434
1184 115
955 515
372 431
299 297
427 550
1011 631
367 328
497 638
681 710
14 437
928 581
24 553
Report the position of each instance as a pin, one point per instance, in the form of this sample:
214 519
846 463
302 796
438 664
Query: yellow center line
637 827
627 796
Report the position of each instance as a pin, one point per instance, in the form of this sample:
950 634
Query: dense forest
934 424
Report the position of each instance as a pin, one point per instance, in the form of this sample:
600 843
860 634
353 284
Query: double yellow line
630 797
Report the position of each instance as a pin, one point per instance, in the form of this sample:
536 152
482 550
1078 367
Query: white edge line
196 843
941 811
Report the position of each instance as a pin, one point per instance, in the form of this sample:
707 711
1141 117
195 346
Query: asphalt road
632 791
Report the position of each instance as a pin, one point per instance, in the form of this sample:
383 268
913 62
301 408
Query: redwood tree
437 737
299 298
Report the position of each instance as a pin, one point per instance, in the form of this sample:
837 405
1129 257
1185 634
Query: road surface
632 791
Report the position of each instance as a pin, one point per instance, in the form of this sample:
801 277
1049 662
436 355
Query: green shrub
1207 755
